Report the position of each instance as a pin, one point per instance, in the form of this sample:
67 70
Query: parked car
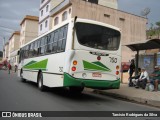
125 66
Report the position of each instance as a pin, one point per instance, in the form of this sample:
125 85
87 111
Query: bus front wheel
76 90
21 75
40 82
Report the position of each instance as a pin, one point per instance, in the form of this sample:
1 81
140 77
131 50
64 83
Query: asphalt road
18 96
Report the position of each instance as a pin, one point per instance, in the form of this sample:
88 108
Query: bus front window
98 37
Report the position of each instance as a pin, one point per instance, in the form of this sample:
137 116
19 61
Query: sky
13 11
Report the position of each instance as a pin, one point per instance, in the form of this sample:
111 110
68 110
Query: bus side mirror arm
73 33
18 53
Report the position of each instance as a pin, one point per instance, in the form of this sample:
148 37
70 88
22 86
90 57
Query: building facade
29 29
133 27
45 20
6 51
13 47
44 15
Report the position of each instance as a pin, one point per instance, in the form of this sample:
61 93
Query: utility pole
4 47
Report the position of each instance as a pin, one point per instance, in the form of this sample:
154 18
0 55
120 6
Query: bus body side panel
51 66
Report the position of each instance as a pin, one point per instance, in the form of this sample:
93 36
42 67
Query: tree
158 29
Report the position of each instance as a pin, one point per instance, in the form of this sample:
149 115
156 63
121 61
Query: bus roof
78 20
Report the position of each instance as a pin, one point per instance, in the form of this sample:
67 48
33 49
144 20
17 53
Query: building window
47 8
46 23
64 16
56 20
92 1
41 27
106 15
42 13
122 19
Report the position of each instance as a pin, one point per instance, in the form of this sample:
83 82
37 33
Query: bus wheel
40 82
21 75
76 90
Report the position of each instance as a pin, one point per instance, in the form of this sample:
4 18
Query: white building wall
9 51
44 28
109 3
44 16
22 34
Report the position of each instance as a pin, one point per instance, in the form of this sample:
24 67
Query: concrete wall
29 31
16 42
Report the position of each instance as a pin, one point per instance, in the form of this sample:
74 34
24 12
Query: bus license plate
96 75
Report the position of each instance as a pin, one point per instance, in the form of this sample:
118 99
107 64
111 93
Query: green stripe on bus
99 84
95 66
30 63
37 65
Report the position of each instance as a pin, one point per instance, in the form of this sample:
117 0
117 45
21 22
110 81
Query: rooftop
29 17
15 33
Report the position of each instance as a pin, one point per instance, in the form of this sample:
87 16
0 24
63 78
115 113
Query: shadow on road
64 93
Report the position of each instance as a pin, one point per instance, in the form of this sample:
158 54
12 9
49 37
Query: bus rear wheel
76 90
40 82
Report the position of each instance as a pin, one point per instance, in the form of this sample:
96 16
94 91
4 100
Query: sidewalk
133 94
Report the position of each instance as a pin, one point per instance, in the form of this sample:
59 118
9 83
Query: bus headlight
84 75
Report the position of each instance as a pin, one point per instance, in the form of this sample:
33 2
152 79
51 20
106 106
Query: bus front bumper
96 84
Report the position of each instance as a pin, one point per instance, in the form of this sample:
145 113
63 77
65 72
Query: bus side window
52 37
46 41
38 46
49 44
64 38
42 46
60 37
54 49
30 50
20 55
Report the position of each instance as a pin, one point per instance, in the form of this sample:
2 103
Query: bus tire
76 90
40 82
21 75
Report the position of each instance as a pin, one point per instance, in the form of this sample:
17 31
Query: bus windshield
98 37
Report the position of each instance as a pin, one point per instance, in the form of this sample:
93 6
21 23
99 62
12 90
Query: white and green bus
77 53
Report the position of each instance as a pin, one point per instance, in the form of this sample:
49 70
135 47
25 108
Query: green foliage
154 31
158 24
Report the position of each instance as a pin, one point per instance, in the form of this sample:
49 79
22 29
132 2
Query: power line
6 31
7 28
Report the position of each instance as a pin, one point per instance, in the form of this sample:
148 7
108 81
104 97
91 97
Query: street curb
154 103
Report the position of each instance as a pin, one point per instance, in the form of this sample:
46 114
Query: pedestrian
142 81
136 77
9 67
15 68
155 78
131 71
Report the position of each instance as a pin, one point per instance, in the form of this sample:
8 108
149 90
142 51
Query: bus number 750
113 59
